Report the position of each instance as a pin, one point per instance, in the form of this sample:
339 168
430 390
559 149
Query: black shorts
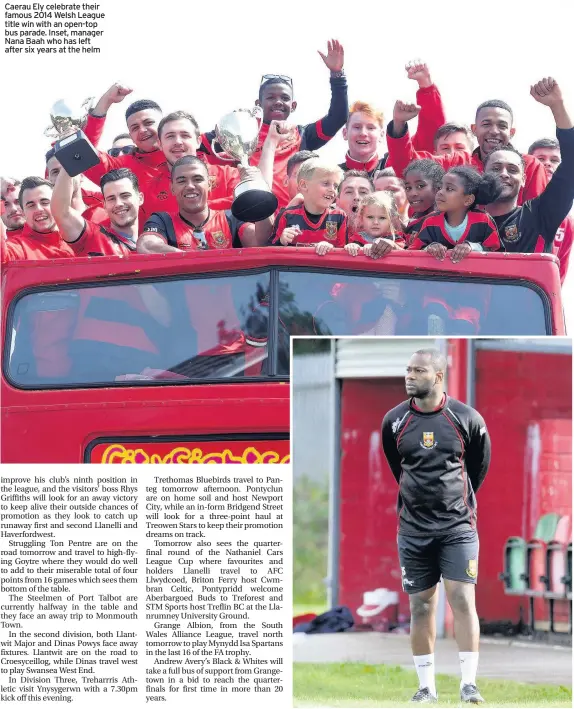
425 559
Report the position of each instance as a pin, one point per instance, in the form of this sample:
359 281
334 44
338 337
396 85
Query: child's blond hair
316 165
386 201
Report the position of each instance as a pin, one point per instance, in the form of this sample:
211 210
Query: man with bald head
438 450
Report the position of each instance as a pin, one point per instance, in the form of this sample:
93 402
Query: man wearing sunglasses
122 145
276 100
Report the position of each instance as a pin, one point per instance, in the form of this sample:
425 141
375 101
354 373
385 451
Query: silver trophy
72 148
238 134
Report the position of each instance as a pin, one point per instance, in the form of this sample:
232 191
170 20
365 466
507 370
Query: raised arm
317 134
97 116
554 204
432 115
71 223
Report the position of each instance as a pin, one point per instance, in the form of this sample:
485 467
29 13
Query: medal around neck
238 135
72 148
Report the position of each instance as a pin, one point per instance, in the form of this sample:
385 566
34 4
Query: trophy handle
88 103
224 157
51 132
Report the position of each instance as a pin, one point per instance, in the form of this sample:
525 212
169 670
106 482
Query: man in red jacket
493 129
115 237
142 118
40 238
365 130
179 135
276 100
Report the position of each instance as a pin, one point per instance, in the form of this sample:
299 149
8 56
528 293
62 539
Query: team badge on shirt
212 182
162 195
219 238
331 230
428 440
472 569
511 233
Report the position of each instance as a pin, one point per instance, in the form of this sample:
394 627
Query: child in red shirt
316 222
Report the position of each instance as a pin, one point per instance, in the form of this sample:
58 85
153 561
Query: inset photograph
432 521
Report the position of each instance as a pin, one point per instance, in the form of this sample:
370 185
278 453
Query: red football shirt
33 245
102 240
221 231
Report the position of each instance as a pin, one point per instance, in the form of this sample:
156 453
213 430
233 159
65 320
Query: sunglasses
126 150
281 78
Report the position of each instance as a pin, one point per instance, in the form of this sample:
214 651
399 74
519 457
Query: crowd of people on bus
166 186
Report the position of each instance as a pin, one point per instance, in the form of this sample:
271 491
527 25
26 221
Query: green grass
356 685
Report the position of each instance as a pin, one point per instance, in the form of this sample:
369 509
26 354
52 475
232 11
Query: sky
208 58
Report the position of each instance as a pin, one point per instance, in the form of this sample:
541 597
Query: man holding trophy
277 104
194 226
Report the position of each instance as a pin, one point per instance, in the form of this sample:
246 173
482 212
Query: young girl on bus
377 219
423 179
458 225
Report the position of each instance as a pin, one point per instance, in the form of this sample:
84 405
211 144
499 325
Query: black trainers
469 693
424 696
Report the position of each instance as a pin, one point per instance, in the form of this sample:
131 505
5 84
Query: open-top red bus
181 359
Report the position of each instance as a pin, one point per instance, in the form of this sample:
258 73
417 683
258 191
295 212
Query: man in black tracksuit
438 449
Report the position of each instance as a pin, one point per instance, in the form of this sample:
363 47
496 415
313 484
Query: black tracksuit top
439 459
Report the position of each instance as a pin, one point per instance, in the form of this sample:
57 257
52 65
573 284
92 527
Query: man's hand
115 94
335 57
460 251
323 247
437 250
249 173
7 185
289 235
404 112
418 71
353 249
297 200
279 131
381 247
546 92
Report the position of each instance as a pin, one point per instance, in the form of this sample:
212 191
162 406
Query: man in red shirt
493 129
276 100
194 226
12 214
451 138
116 237
40 238
365 130
179 135
142 118
547 151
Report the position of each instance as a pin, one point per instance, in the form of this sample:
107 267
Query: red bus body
239 421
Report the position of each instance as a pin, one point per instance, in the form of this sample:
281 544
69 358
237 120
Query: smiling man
493 129
39 238
438 450
179 135
532 227
142 119
194 226
276 98
116 237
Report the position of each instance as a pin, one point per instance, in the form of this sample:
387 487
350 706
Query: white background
208 58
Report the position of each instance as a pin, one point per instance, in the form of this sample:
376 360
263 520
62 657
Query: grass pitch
356 685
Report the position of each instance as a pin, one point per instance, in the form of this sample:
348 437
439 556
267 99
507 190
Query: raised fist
546 91
418 71
404 112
